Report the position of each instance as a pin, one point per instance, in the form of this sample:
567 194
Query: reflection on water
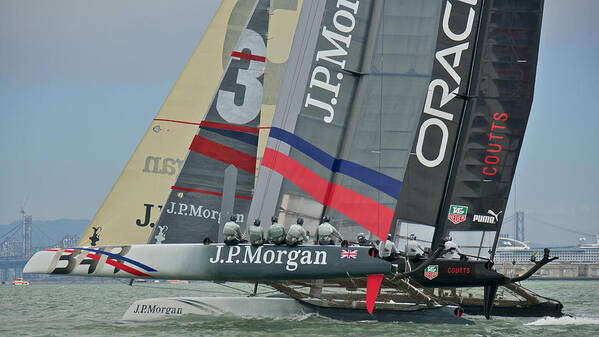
96 310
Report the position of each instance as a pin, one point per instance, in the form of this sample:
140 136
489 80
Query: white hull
153 309
251 307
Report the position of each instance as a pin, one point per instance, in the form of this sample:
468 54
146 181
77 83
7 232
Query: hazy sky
81 80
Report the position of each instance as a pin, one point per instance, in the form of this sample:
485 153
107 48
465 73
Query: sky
81 80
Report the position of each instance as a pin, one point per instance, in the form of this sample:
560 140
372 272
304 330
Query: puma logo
496 216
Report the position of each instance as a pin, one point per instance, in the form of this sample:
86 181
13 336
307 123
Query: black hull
440 315
457 273
528 310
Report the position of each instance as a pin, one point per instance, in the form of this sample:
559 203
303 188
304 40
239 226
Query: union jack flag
349 254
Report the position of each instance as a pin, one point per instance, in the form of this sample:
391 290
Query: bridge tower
15 249
26 235
519 226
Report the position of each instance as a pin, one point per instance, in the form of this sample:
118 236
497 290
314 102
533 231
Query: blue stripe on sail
241 136
380 181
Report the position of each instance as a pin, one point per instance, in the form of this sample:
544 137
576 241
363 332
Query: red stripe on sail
366 212
248 56
223 126
207 192
222 153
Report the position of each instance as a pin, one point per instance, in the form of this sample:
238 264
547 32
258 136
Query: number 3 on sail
247 80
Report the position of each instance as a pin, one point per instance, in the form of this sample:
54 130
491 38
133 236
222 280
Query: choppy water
96 310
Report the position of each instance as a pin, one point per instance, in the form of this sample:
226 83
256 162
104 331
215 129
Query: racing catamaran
390 113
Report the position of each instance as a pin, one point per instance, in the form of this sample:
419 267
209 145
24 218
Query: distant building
509 250
68 241
11 247
513 257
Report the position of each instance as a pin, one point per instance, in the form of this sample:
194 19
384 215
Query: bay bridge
16 247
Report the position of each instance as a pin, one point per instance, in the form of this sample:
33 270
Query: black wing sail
427 171
494 123
221 162
349 103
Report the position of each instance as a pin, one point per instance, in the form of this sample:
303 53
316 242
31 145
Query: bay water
96 310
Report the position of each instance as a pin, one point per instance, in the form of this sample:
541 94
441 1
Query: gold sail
133 203
132 206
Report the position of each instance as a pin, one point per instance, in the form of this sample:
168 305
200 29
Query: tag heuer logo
457 213
432 271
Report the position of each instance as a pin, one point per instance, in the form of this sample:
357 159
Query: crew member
326 233
387 249
256 234
232 232
296 234
362 241
413 248
451 249
276 232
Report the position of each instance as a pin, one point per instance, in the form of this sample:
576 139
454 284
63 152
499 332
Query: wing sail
494 123
223 152
131 209
349 103
443 106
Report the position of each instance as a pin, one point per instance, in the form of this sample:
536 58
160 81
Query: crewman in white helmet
451 249
387 249
413 248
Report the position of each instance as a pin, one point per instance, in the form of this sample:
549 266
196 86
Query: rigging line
231 287
47 236
268 292
178 289
11 232
514 187
557 226
380 154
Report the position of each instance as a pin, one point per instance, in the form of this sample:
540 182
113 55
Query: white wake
565 321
